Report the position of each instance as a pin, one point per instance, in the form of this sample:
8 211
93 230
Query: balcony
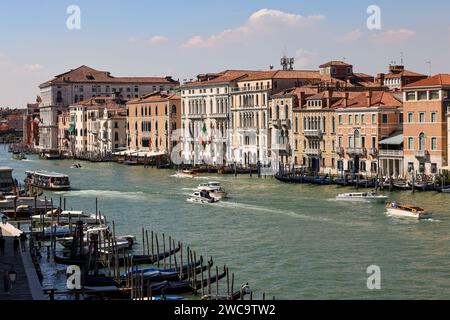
251 89
421 154
313 152
373 152
391 153
280 123
339 151
317 134
356 151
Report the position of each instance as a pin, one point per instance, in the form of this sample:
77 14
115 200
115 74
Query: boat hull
407 214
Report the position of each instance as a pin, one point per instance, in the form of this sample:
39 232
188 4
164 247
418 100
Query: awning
394 140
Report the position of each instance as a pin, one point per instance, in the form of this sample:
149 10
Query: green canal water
289 241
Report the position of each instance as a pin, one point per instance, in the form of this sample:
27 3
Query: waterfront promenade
27 286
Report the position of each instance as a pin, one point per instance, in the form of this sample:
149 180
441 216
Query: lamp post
10 277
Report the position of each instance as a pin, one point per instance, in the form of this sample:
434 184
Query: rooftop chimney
369 98
346 100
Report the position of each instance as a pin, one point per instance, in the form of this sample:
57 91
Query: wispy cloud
394 35
33 67
303 58
158 40
351 36
261 22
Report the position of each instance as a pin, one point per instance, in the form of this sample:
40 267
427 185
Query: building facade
151 121
426 104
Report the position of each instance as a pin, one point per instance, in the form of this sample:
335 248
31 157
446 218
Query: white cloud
33 67
394 35
132 39
303 58
158 40
351 36
260 23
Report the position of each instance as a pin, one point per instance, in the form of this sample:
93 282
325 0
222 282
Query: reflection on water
291 241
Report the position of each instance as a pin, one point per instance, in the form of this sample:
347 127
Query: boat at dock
201 197
214 188
8 202
408 211
7 183
362 197
422 185
69 217
47 180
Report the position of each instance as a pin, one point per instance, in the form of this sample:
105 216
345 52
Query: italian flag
202 134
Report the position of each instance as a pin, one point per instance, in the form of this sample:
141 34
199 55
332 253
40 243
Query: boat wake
105 194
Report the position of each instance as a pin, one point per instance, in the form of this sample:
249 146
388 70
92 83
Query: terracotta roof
437 80
85 74
404 73
223 78
335 63
155 97
282 74
378 98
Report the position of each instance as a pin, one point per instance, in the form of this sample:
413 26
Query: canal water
289 241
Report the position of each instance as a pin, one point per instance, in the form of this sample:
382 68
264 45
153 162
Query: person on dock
2 246
23 240
16 246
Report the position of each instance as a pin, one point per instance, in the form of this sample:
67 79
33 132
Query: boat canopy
48 174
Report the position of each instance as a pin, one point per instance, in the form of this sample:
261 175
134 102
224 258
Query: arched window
286 112
357 140
422 141
277 115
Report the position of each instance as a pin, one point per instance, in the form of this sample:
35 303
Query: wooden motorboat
408 211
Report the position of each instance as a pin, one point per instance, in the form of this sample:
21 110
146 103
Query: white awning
140 153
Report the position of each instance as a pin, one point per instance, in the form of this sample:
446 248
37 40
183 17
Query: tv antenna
287 63
429 66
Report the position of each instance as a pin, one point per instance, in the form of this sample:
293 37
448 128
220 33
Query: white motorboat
70 216
362 197
184 174
202 197
214 188
408 211
122 242
76 166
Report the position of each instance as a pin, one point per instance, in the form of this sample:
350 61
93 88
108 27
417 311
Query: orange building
151 121
426 103
362 122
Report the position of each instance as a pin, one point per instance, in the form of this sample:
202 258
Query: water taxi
8 202
214 188
201 197
362 197
48 180
184 174
408 211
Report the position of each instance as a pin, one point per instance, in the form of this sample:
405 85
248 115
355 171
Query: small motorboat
184 174
214 188
202 197
19 156
408 211
362 197
76 166
422 185
444 189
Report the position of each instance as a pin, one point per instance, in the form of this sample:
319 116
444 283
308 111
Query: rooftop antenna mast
429 66
401 58
287 63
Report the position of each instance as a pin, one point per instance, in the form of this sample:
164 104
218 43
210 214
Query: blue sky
184 38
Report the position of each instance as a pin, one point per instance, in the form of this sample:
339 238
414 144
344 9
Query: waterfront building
206 116
363 121
426 104
31 122
252 125
97 127
64 145
84 83
151 121
48 128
